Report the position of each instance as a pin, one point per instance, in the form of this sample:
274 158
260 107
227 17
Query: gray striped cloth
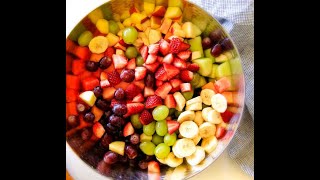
236 16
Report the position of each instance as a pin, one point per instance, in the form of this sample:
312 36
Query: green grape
135 121
188 95
161 128
171 111
131 52
113 27
147 147
162 150
85 38
156 139
139 61
129 35
177 113
170 139
160 112
150 128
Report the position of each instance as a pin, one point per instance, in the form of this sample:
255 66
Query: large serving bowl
82 167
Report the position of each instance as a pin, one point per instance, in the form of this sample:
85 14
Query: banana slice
206 95
98 44
186 116
197 156
197 99
214 117
205 112
194 107
198 119
189 129
183 147
179 172
207 129
163 161
219 103
209 144
196 139
180 100
173 161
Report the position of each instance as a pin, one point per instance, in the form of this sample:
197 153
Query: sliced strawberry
154 49
78 67
172 126
134 108
98 129
185 87
153 101
176 45
186 76
175 83
128 129
184 55
222 84
226 116
164 47
152 67
90 83
153 166
194 67
151 59
148 91
168 59
160 59
119 61
179 63
158 82
132 90
184 46
145 117
138 98
104 83
123 43
140 73
173 90
131 64
170 102
161 74
144 52
109 52
170 70
114 78
140 84
163 90
220 132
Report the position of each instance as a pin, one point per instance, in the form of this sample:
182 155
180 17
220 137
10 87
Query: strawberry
168 59
220 132
186 76
163 90
172 126
153 101
89 83
173 90
184 46
184 55
140 73
138 98
226 116
119 61
114 78
140 84
170 102
153 166
176 46
109 52
104 83
161 74
153 49
131 64
152 67
144 52
123 43
175 83
170 70
179 63
164 47
133 108
128 129
151 59
148 92
185 87
158 82
160 59
193 67
145 117
98 129
132 90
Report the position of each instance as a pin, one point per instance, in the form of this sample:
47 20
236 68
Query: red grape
105 62
119 94
216 50
110 157
206 43
131 152
135 138
127 75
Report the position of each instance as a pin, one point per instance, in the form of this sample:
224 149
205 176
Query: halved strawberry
186 76
153 101
109 52
145 117
179 63
160 59
175 45
152 67
114 78
128 129
140 73
151 59
104 83
158 82
226 116
175 83
131 64
134 108
184 55
140 84
172 126
153 166
138 98
164 47
98 130
119 61
222 84
90 83
194 67
153 49
163 90
148 91
161 74
185 87
144 52
184 46
173 90
220 132
170 102
170 70
168 59
132 90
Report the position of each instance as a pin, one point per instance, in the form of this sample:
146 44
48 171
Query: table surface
224 167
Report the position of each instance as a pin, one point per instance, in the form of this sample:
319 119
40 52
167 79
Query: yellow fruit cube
88 97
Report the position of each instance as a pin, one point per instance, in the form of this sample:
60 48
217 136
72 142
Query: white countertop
224 167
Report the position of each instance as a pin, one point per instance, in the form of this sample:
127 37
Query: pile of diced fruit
146 89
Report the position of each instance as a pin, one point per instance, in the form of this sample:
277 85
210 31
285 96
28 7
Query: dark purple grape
206 43
89 117
92 66
110 157
226 44
119 94
81 108
123 159
143 164
149 80
110 128
131 152
116 120
149 158
98 91
135 138
216 35
102 104
104 168
105 62
73 121
107 114
127 75
86 134
216 50
106 140
119 109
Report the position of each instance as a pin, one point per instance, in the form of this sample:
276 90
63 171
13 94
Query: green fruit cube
221 58
223 70
202 82
207 53
196 44
213 71
205 65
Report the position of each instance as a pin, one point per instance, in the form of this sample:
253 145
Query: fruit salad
146 89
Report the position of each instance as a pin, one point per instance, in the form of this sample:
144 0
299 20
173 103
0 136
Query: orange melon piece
96 57
108 93
97 113
122 85
209 85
